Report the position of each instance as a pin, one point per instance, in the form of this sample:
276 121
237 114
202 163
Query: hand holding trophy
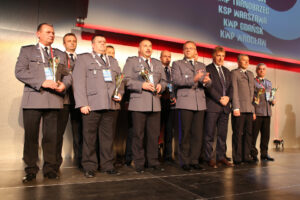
119 79
259 92
148 78
59 71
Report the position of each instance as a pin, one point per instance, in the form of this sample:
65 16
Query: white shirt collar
217 66
189 60
43 46
149 59
74 54
243 70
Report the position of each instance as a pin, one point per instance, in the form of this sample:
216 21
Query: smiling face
99 44
145 48
189 50
46 35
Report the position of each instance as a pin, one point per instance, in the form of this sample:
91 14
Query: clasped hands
224 100
57 86
199 74
150 87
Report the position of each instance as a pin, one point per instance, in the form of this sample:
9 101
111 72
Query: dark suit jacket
215 91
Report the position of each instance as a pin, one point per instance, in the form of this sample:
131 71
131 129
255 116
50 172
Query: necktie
246 75
167 71
148 66
221 75
222 78
191 62
72 56
101 56
46 50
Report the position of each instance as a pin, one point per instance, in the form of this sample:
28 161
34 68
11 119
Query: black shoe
51 175
112 171
255 159
29 177
266 158
89 174
249 161
237 163
227 158
157 168
128 163
140 170
196 167
186 168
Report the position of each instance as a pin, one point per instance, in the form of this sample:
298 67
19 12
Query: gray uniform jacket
89 86
141 100
190 95
264 106
30 70
243 90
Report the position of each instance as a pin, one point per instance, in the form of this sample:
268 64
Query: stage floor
268 180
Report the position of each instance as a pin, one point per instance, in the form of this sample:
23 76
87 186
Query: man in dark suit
218 98
190 78
263 113
70 43
243 111
168 102
93 84
145 105
41 99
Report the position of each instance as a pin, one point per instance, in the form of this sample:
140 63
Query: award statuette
148 78
59 70
119 79
271 95
259 92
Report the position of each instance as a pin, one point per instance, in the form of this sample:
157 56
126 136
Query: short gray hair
241 55
260 64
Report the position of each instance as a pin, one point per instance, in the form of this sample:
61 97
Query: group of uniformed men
59 84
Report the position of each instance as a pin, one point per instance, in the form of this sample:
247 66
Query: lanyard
42 54
94 56
260 83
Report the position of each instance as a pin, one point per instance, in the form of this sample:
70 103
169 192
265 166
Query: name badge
268 96
107 75
151 78
48 73
170 86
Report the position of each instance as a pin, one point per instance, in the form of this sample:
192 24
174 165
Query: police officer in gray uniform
190 78
145 104
263 112
93 85
70 43
41 99
243 111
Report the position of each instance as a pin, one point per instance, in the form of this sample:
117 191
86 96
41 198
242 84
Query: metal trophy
148 77
259 92
119 79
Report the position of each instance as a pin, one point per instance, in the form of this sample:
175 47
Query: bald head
165 57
